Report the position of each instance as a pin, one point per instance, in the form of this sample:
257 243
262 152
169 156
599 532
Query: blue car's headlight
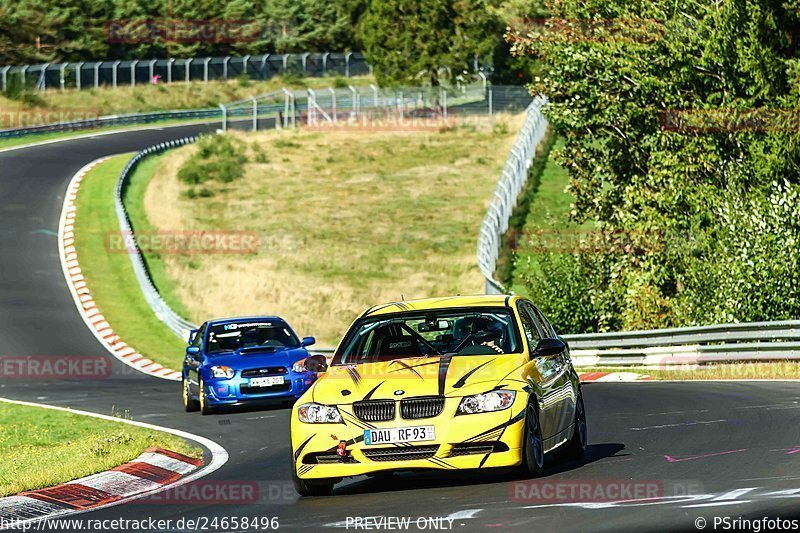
487 402
314 413
222 372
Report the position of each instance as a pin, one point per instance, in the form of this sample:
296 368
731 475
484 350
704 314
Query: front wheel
204 407
189 404
532 443
312 487
576 447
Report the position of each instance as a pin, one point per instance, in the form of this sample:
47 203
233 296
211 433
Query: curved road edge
219 456
81 295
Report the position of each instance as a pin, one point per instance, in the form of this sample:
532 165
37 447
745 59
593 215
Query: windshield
233 336
436 332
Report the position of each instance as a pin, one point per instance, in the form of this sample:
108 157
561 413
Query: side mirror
316 363
308 341
548 348
192 351
192 333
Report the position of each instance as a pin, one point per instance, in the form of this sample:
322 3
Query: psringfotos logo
26 118
182 242
133 31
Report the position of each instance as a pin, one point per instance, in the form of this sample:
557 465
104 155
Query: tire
311 487
576 447
532 443
189 404
205 409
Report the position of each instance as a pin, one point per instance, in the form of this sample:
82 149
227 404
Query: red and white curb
82 296
152 470
612 376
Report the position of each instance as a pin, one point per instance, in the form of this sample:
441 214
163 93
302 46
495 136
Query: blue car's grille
266 371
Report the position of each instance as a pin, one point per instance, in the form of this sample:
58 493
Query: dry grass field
345 219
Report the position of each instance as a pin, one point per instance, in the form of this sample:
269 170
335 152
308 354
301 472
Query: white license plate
394 435
266 382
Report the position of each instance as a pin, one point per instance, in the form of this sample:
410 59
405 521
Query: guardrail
514 176
177 324
719 343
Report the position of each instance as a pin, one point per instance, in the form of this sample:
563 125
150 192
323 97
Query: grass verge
109 275
773 370
42 447
346 219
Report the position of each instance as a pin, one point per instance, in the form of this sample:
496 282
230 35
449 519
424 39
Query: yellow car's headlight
496 400
222 372
314 413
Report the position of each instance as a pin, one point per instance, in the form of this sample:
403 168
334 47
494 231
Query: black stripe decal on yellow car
444 366
510 422
300 448
406 367
370 393
463 379
354 375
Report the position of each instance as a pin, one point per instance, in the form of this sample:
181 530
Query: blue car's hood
254 359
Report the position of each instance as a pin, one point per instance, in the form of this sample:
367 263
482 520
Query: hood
254 359
418 376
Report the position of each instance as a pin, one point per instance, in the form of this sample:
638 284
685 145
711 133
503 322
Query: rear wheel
576 447
204 407
312 487
189 404
532 443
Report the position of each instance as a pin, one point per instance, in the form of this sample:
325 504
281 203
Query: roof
483 300
231 320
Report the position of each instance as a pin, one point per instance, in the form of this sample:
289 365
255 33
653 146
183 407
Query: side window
528 325
546 327
198 337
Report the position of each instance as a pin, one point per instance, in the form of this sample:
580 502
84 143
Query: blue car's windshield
484 331
233 336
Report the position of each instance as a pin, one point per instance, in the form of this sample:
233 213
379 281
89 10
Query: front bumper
462 442
236 391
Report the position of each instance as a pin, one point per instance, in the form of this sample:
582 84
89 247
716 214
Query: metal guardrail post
97 74
206 61
224 117
245 60
333 104
23 74
325 63
374 94
78 75
347 64
114 68
170 61
4 77
303 60
133 72
255 113
62 76
151 70
225 62
187 65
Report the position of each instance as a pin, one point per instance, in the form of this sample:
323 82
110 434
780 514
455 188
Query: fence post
255 113
303 60
325 63
97 74
444 102
114 68
285 63
188 65
490 104
483 79
264 66
61 74
355 99
347 64
245 60
225 67
374 94
23 74
170 61
333 102
224 117
312 107
151 69
133 72
42 83
4 75
205 69
78 75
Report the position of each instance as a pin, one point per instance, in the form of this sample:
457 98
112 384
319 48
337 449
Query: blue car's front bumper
237 390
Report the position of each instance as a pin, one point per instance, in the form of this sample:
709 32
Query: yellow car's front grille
422 407
375 410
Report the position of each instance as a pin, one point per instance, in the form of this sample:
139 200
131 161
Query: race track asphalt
698 450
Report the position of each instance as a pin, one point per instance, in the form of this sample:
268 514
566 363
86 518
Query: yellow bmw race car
442 383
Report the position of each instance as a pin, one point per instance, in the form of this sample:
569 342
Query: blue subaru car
238 361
